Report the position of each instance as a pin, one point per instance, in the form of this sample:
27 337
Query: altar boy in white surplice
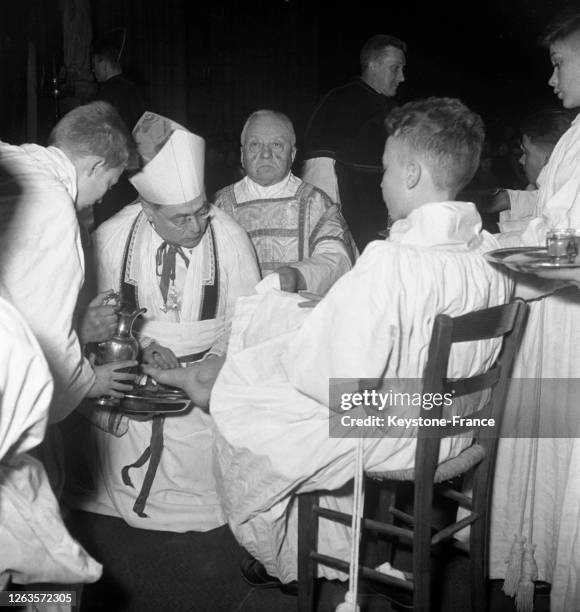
270 400
186 262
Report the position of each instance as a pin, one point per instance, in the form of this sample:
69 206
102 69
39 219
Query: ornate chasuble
283 230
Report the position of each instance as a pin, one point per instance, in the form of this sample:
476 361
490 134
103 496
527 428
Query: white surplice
542 479
34 543
42 263
182 496
319 171
270 401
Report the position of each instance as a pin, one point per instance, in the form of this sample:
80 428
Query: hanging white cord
350 603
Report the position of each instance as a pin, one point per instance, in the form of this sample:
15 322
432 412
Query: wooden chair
429 478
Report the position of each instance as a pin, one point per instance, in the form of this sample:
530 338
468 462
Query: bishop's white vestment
181 495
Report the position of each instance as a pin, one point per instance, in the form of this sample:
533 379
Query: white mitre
173 161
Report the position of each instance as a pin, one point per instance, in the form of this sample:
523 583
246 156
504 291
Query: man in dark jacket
117 89
346 137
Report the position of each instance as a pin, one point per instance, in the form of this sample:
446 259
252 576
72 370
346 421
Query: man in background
114 85
346 136
541 130
540 133
116 88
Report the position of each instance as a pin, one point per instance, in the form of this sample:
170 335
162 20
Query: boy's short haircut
445 134
545 126
563 24
95 129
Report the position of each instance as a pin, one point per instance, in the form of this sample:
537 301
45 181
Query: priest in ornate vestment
296 229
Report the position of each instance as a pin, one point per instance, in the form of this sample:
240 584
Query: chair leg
307 542
386 545
423 510
422 579
478 550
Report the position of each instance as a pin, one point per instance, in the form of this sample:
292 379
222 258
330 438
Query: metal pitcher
121 347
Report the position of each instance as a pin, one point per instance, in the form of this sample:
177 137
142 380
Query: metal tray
527 259
157 400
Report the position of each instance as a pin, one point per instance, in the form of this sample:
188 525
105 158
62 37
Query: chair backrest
505 321
508 323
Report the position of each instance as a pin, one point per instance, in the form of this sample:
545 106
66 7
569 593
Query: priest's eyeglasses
201 215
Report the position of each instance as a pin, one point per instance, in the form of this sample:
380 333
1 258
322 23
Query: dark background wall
208 64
